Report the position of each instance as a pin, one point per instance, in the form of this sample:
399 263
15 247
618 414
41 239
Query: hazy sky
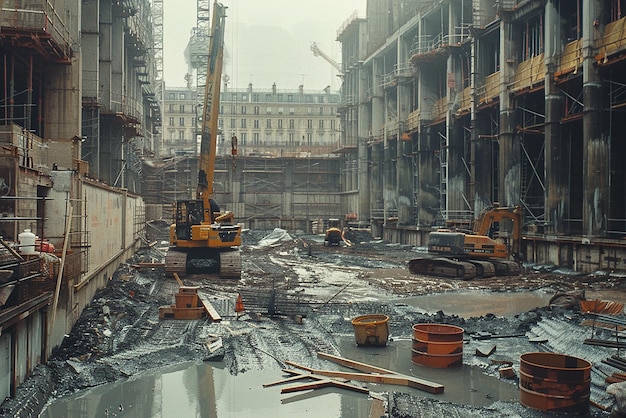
266 41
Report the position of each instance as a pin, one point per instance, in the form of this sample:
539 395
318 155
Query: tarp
274 237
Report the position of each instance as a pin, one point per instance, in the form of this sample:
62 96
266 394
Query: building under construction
78 108
453 107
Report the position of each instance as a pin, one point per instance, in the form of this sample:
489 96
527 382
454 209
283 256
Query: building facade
179 127
452 107
274 122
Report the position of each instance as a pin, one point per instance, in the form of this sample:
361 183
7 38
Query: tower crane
319 53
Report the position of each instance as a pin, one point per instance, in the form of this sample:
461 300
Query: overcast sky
266 41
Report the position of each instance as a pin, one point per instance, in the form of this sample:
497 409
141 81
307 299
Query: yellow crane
204 239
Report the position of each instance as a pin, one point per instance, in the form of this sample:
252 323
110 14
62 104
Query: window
171 121
309 123
181 136
280 97
255 138
309 139
255 97
233 110
268 124
181 121
321 111
233 123
256 124
243 123
171 108
243 110
320 99
171 96
182 96
291 138
290 98
256 110
292 124
220 123
268 110
309 111
182 108
292 111
321 124
333 124
280 110
280 124
268 97
320 139
244 137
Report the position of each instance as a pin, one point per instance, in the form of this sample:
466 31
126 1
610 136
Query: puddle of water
464 385
204 390
201 390
475 304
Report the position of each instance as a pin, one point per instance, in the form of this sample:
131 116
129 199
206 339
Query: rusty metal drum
437 345
555 382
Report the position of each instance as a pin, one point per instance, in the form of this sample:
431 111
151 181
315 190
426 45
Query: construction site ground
299 298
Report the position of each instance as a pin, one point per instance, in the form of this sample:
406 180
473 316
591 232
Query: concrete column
509 142
557 161
363 136
428 181
595 138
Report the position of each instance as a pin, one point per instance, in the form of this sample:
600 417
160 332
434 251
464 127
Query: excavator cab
333 233
188 213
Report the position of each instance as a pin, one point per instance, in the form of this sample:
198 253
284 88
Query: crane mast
210 111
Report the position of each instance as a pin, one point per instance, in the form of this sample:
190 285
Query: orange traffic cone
239 305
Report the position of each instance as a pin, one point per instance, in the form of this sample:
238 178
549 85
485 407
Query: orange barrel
555 382
371 329
437 345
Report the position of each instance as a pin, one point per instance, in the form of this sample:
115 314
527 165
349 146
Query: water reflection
205 390
475 304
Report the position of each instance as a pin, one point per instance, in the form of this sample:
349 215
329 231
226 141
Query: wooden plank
386 378
319 384
367 368
177 277
148 265
209 308
287 380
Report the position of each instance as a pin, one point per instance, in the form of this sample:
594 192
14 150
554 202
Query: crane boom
319 53
210 112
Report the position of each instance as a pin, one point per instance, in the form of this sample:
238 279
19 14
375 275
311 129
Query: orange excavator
491 248
202 238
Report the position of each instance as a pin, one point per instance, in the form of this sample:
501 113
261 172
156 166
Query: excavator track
176 262
230 264
507 268
484 269
445 267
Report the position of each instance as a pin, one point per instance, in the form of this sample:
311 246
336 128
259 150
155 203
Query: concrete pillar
595 138
481 158
363 136
557 161
509 142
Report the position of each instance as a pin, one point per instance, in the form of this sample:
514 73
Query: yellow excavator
477 253
202 238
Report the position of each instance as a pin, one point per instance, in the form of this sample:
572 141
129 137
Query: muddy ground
120 334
